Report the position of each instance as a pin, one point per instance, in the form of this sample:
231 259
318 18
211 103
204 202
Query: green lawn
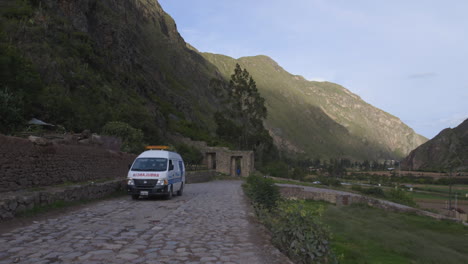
439 192
361 234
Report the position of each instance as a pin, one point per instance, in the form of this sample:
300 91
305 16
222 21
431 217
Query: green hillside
81 64
322 119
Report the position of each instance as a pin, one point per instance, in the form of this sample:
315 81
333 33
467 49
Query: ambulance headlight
162 182
130 182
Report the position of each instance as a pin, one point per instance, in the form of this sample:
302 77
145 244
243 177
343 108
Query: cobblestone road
210 223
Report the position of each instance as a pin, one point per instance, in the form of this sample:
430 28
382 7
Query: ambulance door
182 171
176 176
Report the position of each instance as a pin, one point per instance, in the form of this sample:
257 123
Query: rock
85 134
12 205
39 141
96 139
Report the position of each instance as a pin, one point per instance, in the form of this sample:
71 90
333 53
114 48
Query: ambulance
156 172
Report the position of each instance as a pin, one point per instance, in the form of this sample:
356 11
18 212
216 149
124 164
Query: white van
156 172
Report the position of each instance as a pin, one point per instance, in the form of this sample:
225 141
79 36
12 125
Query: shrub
190 154
299 232
190 129
400 196
132 138
330 181
10 112
374 191
276 169
262 191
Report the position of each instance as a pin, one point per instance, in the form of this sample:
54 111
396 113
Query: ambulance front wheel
169 195
135 196
181 190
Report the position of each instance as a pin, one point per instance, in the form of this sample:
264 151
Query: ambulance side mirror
171 167
129 166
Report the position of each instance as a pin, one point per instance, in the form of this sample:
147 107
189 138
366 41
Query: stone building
223 160
234 163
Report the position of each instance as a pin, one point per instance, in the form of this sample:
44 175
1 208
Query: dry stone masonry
221 159
27 164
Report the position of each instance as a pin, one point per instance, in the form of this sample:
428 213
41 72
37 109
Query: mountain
449 149
322 119
81 64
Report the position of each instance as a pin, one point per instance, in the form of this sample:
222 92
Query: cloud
424 75
317 79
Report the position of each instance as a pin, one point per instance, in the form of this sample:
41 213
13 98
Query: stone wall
33 172
199 176
341 199
222 159
14 203
26 164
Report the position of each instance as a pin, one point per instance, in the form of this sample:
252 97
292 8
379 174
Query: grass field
361 234
427 196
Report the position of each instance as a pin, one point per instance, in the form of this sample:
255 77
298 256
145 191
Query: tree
10 112
241 120
245 105
132 138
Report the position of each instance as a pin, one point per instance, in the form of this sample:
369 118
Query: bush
132 138
189 129
191 155
374 191
400 196
299 232
10 112
329 181
262 191
276 169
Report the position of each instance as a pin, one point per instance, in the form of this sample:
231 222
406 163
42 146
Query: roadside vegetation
319 232
439 192
296 230
395 195
400 196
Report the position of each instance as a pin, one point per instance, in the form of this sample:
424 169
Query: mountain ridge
99 61
447 150
279 86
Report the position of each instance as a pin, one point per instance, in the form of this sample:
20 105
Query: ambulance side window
171 166
181 166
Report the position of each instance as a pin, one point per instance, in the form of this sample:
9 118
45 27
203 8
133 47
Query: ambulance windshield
150 164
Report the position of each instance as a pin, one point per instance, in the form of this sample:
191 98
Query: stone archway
236 166
211 160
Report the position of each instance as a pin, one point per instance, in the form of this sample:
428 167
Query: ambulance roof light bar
157 147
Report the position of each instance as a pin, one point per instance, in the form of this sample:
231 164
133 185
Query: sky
406 57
